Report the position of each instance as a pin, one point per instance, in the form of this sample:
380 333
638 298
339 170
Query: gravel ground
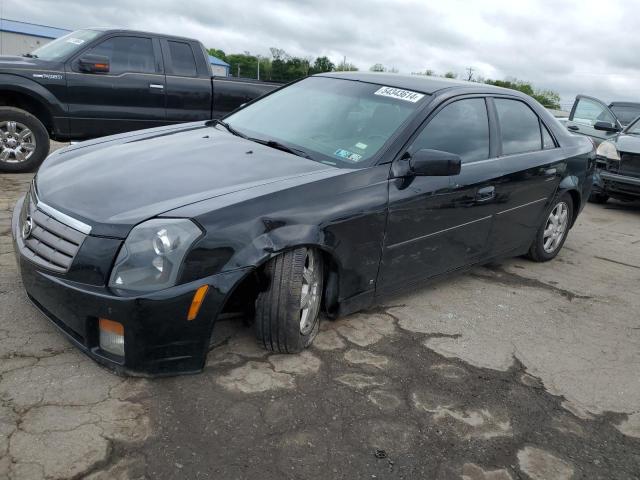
514 370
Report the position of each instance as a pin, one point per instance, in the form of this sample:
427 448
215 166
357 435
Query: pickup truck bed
96 82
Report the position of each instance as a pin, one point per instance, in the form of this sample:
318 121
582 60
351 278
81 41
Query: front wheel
287 310
553 232
24 142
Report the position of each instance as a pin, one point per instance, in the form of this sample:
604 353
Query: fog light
111 336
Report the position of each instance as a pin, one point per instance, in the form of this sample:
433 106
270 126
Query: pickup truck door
188 81
130 96
586 111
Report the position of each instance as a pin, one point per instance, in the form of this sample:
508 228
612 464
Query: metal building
17 38
218 67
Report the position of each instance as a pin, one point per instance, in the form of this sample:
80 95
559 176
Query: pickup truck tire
554 229
287 311
24 141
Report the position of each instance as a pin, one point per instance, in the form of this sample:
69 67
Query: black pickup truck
97 82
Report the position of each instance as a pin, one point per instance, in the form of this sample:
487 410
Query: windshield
337 122
634 128
625 113
60 48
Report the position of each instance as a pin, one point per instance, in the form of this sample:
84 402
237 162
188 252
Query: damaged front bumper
158 338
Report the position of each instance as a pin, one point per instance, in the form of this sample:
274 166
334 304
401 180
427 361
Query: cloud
573 46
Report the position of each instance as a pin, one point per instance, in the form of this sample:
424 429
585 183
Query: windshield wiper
229 128
283 147
29 55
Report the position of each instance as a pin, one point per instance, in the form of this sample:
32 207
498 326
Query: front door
438 224
585 113
130 96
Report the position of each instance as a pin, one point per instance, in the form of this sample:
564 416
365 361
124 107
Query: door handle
156 85
485 194
573 127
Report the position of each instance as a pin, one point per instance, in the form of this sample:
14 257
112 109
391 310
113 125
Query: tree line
279 66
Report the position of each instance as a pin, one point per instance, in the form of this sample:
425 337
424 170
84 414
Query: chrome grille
50 243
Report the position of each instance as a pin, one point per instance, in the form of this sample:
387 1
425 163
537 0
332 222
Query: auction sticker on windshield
400 94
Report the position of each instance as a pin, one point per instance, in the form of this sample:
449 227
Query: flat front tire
287 311
24 141
554 229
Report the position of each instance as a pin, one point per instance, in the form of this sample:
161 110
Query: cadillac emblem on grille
27 227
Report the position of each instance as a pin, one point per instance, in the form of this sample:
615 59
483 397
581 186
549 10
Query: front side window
461 127
337 122
588 112
182 59
62 47
127 54
519 127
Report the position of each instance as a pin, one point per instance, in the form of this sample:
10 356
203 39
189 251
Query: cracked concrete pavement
514 370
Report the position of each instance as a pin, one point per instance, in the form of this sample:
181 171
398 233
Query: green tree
346 67
450 75
322 64
378 67
218 53
548 98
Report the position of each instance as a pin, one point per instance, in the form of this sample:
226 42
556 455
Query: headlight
608 150
151 256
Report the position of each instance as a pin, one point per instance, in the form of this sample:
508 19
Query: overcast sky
571 46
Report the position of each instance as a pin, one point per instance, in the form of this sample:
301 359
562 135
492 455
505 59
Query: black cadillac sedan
321 196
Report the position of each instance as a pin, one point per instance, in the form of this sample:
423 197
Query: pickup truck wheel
287 311
24 142
553 231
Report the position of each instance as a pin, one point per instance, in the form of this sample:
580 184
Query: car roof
419 83
624 104
137 32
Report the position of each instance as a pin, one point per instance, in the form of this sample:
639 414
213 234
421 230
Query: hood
628 143
26 62
115 185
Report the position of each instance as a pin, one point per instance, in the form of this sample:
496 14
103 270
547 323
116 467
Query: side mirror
606 126
434 163
94 64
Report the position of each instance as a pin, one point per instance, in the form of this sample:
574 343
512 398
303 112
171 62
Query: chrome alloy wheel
311 293
556 227
17 142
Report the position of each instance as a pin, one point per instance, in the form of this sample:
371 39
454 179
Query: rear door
128 97
188 81
586 111
532 166
438 224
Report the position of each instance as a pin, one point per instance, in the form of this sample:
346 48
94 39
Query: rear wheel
287 311
24 142
553 232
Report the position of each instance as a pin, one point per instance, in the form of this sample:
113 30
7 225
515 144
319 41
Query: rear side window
519 127
461 127
128 54
182 59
